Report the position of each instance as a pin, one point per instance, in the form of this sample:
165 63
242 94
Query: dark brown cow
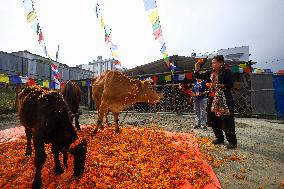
72 95
44 114
113 92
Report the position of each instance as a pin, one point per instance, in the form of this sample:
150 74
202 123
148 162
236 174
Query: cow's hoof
117 131
28 153
95 132
36 184
58 170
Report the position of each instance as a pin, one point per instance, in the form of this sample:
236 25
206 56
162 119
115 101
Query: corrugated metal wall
262 94
279 95
38 69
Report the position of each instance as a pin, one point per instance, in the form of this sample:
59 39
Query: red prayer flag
155 79
31 82
247 70
158 33
188 76
62 84
40 37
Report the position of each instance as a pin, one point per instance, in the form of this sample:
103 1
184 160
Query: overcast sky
200 25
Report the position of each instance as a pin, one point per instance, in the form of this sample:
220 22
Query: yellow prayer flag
115 54
168 78
4 78
243 65
45 83
153 17
84 83
31 16
165 54
102 22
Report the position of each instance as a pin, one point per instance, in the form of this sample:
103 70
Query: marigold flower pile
135 158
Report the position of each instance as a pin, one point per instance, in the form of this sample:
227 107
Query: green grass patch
7 100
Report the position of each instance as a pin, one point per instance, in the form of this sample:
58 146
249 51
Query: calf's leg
57 168
116 119
76 113
28 132
101 113
40 157
77 121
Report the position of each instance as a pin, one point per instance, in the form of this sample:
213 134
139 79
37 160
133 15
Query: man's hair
219 58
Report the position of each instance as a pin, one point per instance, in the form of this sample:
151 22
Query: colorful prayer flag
153 17
188 76
102 22
150 4
28 4
158 33
45 83
175 77
57 84
161 78
156 25
39 82
107 39
161 41
31 16
181 77
163 49
107 30
24 79
52 85
88 83
35 26
4 78
115 54
97 9
15 79
113 46
84 83
168 78
40 37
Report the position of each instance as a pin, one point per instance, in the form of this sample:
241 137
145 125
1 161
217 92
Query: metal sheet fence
38 68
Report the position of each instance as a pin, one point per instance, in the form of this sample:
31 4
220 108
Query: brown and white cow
113 92
44 114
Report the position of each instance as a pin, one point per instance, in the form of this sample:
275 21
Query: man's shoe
204 128
217 141
231 146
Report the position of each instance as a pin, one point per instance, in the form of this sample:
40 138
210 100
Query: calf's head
79 152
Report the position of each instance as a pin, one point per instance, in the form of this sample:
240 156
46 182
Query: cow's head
147 93
79 152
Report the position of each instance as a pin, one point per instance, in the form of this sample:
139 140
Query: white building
237 53
99 66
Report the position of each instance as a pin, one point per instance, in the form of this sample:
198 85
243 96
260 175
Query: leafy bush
7 100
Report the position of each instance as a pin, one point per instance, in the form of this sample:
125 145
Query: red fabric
188 76
190 139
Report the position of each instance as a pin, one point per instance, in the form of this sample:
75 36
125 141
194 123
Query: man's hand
197 66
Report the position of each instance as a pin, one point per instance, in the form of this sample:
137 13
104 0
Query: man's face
216 65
